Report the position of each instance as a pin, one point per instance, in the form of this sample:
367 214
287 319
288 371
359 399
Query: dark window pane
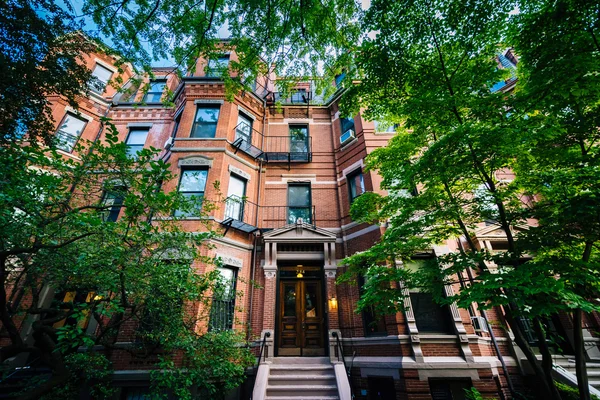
347 123
114 201
430 316
217 66
450 389
356 185
205 123
289 295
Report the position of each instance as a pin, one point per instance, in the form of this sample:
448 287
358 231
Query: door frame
325 329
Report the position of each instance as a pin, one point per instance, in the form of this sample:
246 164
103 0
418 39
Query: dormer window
217 66
154 94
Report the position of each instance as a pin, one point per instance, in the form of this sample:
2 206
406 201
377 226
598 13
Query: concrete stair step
295 391
302 380
301 360
304 370
303 397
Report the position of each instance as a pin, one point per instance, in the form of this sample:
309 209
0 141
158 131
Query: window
338 79
113 200
69 131
430 316
205 122
177 122
223 303
155 91
100 77
77 298
191 185
243 130
347 124
216 67
383 127
136 140
449 389
299 96
374 324
299 203
298 141
381 388
135 393
234 207
356 184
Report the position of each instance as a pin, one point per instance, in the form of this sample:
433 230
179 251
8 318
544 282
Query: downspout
492 334
255 241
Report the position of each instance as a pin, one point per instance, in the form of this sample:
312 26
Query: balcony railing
65 141
242 215
273 149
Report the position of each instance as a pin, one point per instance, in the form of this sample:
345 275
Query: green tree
60 232
558 98
290 39
40 56
430 66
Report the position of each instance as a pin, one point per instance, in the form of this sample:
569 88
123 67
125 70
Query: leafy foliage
143 268
40 56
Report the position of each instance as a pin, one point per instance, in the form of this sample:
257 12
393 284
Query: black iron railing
262 348
273 217
65 141
298 96
285 149
340 357
248 140
242 215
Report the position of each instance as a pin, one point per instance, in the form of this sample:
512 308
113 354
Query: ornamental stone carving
231 261
269 274
330 274
196 161
239 172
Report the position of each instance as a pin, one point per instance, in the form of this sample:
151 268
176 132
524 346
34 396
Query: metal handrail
340 350
262 346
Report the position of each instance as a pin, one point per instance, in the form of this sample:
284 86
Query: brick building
289 169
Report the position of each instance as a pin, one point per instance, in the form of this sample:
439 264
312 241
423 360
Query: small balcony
246 216
65 141
273 149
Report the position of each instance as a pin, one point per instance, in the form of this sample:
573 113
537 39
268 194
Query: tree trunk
546 356
580 367
546 385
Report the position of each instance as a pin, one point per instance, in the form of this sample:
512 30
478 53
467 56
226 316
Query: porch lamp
299 272
333 304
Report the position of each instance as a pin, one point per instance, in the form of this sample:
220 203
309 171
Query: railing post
267 337
334 334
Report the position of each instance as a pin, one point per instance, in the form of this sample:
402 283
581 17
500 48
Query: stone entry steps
301 378
593 371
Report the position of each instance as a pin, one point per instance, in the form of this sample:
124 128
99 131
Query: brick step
302 380
301 360
302 392
297 370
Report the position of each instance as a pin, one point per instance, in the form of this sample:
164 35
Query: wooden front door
301 318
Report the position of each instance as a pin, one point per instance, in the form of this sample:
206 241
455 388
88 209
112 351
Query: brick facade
411 359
